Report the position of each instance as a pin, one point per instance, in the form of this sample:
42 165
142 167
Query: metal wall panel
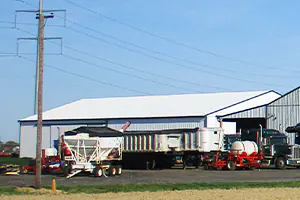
157 124
27 141
28 134
284 112
259 112
51 132
291 137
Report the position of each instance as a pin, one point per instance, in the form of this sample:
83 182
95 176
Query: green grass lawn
96 189
15 161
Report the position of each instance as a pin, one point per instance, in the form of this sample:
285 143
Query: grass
96 189
14 161
8 191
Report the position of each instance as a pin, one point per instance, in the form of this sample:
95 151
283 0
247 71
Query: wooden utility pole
40 74
38 107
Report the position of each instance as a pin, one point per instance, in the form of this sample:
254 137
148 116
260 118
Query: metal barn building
236 110
278 114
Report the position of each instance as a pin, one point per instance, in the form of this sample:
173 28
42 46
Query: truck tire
98 172
118 170
280 163
112 171
66 170
231 165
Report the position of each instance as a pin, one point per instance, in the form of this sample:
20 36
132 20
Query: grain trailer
97 150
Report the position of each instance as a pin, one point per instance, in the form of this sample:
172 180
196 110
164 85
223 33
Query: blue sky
263 33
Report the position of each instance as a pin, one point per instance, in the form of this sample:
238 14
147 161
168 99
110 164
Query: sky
113 48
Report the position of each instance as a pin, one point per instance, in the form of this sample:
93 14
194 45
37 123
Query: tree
1 146
11 144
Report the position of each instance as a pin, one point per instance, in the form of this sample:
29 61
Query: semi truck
256 148
275 147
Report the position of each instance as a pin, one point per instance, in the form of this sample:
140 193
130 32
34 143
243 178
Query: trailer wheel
118 170
112 171
280 163
98 172
66 170
231 165
206 167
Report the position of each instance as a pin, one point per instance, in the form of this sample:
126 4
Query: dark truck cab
275 147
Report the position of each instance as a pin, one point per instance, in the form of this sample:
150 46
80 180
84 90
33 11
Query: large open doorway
247 123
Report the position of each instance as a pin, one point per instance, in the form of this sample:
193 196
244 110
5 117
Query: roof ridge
172 95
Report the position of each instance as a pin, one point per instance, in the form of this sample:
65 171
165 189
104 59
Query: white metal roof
248 104
158 106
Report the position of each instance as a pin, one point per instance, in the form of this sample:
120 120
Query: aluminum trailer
94 154
164 148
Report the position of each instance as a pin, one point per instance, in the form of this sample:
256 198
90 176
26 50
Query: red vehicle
49 164
243 155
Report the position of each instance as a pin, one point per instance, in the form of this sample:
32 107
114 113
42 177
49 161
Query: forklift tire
280 163
231 166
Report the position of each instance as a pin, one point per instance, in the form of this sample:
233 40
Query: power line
174 57
177 42
113 70
170 62
167 61
173 41
88 78
128 67
25 2
127 74
142 71
174 63
21 23
25 23
7 55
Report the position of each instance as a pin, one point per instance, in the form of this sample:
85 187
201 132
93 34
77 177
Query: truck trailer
165 148
97 150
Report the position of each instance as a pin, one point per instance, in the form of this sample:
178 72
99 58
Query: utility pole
38 108
39 87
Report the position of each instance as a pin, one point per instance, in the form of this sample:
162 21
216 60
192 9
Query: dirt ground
234 194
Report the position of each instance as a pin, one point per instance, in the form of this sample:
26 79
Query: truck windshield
278 140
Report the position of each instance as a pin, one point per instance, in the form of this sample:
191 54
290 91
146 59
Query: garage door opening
242 123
